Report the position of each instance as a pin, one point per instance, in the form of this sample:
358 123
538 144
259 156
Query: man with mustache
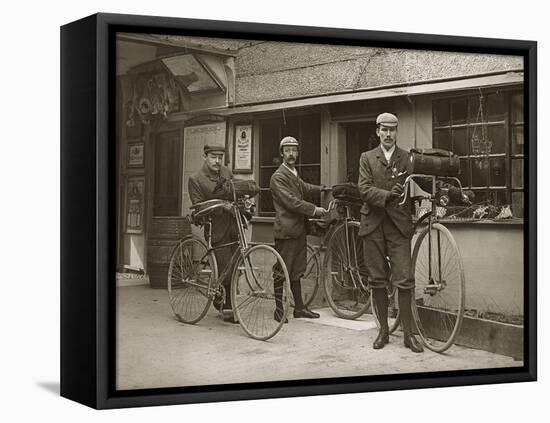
291 210
387 229
207 184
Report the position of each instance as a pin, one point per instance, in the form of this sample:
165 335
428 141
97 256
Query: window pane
496 107
517 108
442 139
441 114
265 176
474 113
266 201
498 198
497 136
517 204
310 141
517 173
269 141
498 172
464 172
290 127
459 111
460 143
517 140
480 173
480 197
310 174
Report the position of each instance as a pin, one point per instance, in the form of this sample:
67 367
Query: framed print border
90 181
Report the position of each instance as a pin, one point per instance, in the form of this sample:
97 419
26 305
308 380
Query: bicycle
439 300
260 284
344 274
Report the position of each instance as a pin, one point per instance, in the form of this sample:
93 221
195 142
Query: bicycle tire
253 292
438 307
191 274
343 291
311 279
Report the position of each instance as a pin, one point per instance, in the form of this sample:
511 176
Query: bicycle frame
431 217
345 219
241 224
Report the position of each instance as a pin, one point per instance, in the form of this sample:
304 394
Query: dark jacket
201 188
376 179
291 209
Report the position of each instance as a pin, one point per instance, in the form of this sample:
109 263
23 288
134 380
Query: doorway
360 137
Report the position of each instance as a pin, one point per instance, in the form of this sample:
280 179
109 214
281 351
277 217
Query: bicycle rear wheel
260 304
191 274
312 277
438 303
344 273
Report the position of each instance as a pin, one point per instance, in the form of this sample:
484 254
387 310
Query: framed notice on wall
136 154
135 189
243 149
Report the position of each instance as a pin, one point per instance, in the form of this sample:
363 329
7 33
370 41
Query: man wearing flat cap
207 184
387 229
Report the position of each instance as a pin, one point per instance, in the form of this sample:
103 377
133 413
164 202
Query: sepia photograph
295 211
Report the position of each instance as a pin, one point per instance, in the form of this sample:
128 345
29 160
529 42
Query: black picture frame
88 198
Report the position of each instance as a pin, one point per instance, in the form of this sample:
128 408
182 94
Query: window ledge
513 221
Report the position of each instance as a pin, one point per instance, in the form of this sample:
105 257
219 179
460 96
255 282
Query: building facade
176 93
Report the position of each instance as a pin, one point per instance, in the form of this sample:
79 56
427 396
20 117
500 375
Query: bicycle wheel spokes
190 275
344 273
312 276
439 293
259 290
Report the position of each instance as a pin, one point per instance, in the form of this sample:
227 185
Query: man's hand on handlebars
396 191
320 212
324 188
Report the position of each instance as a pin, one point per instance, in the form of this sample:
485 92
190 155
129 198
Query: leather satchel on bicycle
433 161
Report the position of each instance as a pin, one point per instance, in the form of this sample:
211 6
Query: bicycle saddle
204 208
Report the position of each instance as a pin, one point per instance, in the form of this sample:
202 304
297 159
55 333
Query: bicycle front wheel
259 292
191 274
344 272
438 303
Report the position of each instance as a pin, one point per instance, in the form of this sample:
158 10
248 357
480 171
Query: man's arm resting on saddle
289 200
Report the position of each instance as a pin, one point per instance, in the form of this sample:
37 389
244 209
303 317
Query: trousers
383 243
293 252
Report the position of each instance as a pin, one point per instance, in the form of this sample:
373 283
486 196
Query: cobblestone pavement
154 350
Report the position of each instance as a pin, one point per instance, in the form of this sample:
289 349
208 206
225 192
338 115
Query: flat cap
211 147
387 119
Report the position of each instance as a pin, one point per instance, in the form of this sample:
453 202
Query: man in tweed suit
291 210
387 229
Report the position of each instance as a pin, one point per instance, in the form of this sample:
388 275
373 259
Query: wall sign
135 189
243 149
135 154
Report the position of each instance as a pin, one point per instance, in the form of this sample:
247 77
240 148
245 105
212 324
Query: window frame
507 123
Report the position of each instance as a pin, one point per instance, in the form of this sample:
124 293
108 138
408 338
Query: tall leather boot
380 298
300 310
278 290
405 313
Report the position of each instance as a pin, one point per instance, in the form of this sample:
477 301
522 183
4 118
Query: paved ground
154 350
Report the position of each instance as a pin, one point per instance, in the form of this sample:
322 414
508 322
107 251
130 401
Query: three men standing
291 211
387 229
